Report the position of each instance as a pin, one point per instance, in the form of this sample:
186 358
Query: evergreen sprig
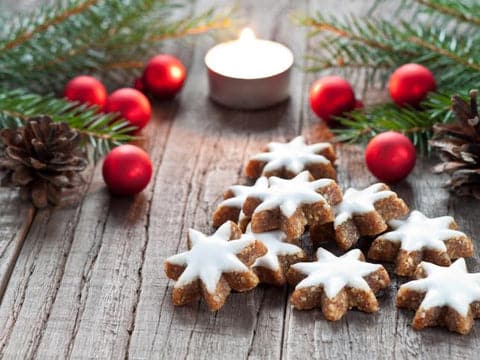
361 125
100 131
40 51
463 11
379 46
443 35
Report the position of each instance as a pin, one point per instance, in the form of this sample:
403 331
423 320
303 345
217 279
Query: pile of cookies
258 240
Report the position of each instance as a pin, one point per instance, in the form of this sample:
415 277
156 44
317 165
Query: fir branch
24 34
444 51
196 26
444 39
41 51
361 125
124 47
101 131
354 34
380 46
454 8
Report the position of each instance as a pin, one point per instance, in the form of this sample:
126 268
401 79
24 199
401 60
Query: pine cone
459 147
42 158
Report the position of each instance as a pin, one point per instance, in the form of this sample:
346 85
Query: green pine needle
463 11
443 35
41 50
361 125
101 131
380 46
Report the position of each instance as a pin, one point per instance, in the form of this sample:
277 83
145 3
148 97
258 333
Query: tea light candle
249 73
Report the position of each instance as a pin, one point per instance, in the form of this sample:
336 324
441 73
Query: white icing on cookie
450 286
241 192
359 202
289 194
210 256
274 241
334 273
293 156
419 232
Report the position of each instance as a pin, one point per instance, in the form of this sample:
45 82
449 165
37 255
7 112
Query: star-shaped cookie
337 284
272 266
361 213
286 160
231 207
421 238
290 205
214 265
442 296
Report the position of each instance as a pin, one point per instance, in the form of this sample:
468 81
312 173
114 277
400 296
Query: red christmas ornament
132 105
164 76
127 170
331 96
138 84
410 84
86 89
390 156
359 104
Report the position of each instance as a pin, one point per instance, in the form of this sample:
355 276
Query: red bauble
410 84
138 84
390 156
359 104
127 170
331 96
131 104
86 89
164 76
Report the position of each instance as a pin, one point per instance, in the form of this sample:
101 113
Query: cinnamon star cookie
214 265
337 284
286 160
272 267
442 296
421 238
231 207
290 205
360 213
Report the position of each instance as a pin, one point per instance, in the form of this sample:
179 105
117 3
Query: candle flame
247 34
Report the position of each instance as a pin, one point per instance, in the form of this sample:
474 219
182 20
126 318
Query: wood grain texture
89 283
16 217
386 334
222 140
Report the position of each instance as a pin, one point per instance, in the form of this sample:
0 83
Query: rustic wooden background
86 281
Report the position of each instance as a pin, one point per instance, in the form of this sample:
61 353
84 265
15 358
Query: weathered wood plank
15 219
249 324
47 270
89 283
90 306
32 286
98 294
424 193
74 288
386 334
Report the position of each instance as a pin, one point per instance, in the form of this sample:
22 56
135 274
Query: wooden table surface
86 281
